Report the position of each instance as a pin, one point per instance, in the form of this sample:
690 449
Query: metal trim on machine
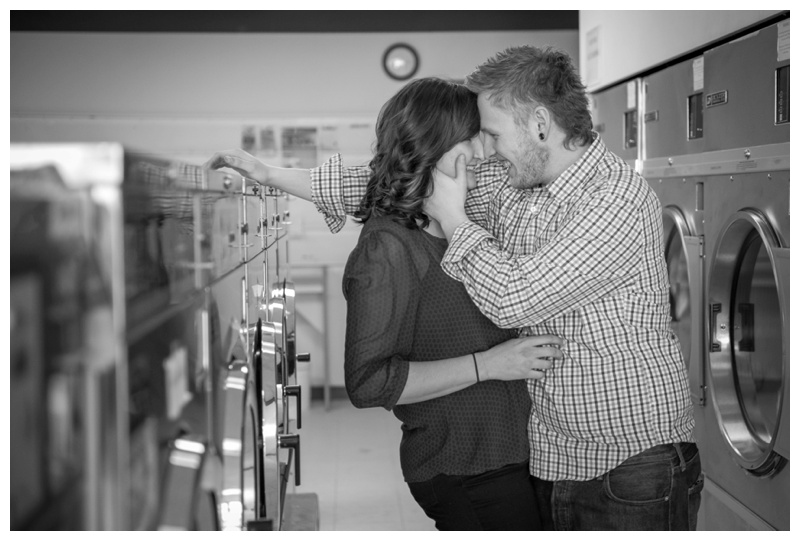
692 250
781 262
774 157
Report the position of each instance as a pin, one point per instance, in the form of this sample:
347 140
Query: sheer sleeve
382 291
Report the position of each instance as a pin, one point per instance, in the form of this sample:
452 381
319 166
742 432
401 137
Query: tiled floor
350 459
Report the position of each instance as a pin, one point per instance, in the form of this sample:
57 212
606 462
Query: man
572 245
562 237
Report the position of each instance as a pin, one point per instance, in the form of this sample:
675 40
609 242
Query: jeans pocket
689 451
641 483
694 500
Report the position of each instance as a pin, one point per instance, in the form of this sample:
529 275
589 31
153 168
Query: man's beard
533 162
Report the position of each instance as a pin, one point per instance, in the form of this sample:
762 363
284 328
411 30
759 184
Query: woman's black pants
501 499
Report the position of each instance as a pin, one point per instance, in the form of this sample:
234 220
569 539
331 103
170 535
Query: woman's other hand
520 358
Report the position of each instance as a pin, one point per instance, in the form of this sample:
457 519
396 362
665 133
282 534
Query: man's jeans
658 489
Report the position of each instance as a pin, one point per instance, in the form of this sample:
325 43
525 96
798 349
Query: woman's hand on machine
520 358
242 162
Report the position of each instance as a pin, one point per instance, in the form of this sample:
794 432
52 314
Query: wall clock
400 61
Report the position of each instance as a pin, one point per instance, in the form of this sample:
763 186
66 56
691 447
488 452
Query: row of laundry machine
710 134
153 346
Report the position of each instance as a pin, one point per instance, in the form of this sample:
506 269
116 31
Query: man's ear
540 123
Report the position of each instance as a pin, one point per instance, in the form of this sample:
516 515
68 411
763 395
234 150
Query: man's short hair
519 79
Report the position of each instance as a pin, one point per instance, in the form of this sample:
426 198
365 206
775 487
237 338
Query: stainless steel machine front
715 149
162 375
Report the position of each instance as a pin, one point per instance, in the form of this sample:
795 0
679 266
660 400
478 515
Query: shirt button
534 209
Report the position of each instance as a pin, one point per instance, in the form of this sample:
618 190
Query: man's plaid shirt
581 258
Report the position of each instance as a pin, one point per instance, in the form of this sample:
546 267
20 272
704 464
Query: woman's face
472 151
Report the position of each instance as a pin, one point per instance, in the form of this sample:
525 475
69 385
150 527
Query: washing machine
266 321
715 149
126 425
745 426
281 439
745 422
241 501
58 353
672 140
173 343
615 116
158 400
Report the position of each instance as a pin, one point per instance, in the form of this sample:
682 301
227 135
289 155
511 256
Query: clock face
400 61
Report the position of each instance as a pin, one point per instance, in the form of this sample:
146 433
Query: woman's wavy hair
521 78
415 128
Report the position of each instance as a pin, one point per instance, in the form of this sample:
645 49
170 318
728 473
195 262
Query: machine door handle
303 357
292 441
295 390
713 311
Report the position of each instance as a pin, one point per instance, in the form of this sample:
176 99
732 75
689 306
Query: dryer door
189 503
683 254
748 339
241 499
286 290
271 405
275 338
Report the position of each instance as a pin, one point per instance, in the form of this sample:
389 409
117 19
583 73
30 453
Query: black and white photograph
428 270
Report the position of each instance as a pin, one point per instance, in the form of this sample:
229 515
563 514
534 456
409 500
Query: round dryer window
747 339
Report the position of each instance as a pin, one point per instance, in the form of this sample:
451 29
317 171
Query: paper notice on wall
248 142
354 138
593 55
299 146
698 69
783 41
267 142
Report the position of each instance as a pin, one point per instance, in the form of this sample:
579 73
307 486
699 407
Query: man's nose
488 146
477 148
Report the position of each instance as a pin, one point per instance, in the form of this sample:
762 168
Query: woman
415 342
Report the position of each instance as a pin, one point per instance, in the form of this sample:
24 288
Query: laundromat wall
709 130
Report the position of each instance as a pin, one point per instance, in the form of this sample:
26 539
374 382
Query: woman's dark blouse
402 308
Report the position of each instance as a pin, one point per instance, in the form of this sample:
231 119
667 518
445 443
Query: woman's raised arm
294 181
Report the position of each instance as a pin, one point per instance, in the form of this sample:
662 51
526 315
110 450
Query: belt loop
680 455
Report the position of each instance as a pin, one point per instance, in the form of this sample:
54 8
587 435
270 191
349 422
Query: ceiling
290 21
